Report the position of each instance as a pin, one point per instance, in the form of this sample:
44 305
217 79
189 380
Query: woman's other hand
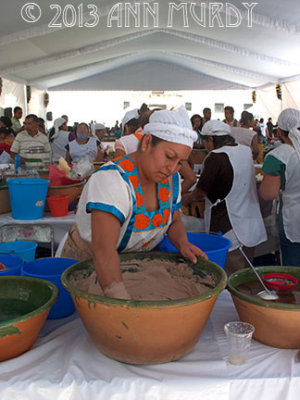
191 252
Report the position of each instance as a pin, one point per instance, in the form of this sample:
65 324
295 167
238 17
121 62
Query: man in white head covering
282 173
227 182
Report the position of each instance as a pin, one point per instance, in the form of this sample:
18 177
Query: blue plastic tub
13 264
216 247
24 250
27 197
51 269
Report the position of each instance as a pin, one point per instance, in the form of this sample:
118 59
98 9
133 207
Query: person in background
129 204
206 115
133 130
29 138
5 144
42 127
6 123
262 126
229 116
282 175
99 131
130 122
83 146
270 129
17 126
70 129
196 121
59 138
245 134
227 182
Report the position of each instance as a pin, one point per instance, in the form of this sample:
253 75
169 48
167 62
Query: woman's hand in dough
116 290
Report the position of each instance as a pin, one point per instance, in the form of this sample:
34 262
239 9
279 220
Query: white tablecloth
61 225
64 364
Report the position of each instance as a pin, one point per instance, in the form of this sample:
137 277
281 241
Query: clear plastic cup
239 335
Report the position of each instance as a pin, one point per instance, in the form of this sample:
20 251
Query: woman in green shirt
282 177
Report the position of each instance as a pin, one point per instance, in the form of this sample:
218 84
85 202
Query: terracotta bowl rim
85 265
243 276
49 303
78 184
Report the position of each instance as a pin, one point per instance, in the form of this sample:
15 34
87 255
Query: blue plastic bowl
51 270
25 250
216 247
13 264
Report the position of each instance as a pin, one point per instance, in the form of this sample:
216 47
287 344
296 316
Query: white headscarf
215 128
96 127
58 122
289 120
173 126
131 114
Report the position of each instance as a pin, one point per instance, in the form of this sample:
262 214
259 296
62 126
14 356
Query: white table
60 225
64 364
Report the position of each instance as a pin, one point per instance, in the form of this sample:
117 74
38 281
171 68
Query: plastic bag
84 167
59 178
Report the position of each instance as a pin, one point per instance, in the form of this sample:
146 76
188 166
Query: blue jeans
290 251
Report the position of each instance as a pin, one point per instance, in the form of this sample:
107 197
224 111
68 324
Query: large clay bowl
144 332
24 306
276 324
73 191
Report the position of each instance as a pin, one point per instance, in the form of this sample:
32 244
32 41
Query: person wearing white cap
130 203
282 174
130 121
228 184
132 130
59 138
98 131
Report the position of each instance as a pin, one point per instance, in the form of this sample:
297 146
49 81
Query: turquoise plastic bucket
52 269
27 197
12 264
216 247
24 250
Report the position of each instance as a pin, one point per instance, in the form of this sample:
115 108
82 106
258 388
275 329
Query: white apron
79 151
291 194
241 202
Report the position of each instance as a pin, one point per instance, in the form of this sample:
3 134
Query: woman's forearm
177 231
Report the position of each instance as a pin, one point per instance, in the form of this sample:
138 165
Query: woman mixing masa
130 203
282 174
227 182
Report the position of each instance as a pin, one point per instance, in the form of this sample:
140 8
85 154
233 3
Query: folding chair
41 233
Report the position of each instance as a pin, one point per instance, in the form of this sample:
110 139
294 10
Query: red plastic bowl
280 281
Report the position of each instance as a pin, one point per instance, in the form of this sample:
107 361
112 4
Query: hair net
216 128
289 120
96 127
173 126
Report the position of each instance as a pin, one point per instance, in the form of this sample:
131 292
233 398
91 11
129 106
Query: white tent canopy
165 45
